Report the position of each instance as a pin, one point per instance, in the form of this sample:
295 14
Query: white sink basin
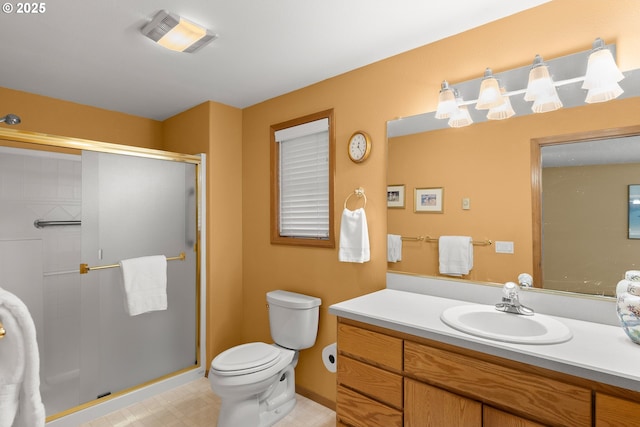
487 322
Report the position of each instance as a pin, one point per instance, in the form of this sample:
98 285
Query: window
302 165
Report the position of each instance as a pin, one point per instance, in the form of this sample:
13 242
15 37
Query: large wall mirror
501 181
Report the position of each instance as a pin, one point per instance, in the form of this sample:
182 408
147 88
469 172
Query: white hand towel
145 284
354 237
20 401
394 248
456 255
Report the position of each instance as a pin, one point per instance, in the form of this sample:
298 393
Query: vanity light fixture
541 89
460 117
603 75
503 111
600 80
447 103
490 95
176 33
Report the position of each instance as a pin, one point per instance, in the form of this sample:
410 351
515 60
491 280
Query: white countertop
598 352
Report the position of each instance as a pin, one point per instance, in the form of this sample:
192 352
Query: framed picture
395 196
429 200
634 211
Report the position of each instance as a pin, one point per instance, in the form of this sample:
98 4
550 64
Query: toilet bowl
256 381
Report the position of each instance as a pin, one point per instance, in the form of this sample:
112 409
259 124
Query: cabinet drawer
492 417
546 400
357 410
371 381
380 349
615 412
428 406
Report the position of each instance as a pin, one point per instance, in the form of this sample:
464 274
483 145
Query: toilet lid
246 358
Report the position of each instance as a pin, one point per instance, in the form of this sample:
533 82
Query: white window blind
304 180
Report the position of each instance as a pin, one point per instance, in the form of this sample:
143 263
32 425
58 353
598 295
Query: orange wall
365 99
57 117
215 129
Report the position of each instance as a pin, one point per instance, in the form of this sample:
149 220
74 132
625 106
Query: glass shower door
134 207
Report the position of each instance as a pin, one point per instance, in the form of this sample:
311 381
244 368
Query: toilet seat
246 359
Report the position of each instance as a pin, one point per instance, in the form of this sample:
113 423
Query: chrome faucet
511 301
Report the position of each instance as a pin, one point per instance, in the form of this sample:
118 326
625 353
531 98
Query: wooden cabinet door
616 412
427 406
494 418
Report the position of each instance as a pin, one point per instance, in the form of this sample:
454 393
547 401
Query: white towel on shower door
145 284
20 400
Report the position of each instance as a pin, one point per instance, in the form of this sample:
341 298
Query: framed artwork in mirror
429 200
634 211
395 196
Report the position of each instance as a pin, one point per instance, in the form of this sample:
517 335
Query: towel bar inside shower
84 268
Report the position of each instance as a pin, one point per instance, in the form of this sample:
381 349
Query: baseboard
316 397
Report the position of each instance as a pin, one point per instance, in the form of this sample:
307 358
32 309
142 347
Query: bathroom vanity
400 365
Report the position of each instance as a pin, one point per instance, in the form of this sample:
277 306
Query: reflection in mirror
587 220
489 165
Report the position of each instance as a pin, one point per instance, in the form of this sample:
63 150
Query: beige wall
365 99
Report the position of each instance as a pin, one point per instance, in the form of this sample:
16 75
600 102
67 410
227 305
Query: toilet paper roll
330 357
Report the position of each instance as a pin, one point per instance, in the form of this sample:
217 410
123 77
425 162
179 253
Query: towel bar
84 268
435 239
359 193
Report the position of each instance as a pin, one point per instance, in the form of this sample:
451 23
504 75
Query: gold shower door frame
25 139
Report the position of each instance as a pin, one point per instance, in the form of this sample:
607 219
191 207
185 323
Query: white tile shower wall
48 186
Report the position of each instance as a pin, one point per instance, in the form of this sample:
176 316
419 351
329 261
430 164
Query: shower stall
66 220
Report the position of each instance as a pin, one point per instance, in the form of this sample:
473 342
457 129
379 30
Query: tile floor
195 405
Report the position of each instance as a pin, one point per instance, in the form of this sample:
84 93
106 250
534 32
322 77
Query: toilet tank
293 319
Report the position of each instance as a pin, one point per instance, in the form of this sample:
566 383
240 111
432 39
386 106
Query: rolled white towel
20 400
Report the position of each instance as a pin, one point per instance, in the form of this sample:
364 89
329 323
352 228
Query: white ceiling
92 52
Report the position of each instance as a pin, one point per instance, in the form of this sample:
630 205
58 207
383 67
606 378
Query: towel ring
359 193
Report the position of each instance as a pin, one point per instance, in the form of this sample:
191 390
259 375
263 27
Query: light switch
466 203
504 247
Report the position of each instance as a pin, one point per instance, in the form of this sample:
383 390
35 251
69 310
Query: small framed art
395 196
634 211
429 200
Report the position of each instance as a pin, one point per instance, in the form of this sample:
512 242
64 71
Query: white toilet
256 381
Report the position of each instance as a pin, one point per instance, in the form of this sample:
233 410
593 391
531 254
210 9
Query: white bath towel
354 237
394 248
456 255
145 284
20 401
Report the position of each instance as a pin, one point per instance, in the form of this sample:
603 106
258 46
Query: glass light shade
490 95
503 111
183 35
603 94
540 83
460 117
602 76
446 102
544 104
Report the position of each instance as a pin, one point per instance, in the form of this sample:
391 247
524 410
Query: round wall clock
359 146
